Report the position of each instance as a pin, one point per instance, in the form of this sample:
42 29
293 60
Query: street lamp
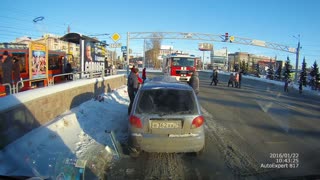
297 57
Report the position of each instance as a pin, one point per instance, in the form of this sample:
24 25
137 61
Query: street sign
123 48
258 43
115 45
115 37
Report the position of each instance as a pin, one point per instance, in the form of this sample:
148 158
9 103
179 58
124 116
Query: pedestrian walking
132 87
231 80
16 70
236 81
144 75
286 85
194 82
214 77
6 64
240 78
300 87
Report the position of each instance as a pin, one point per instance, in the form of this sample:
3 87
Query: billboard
38 55
205 47
220 52
219 60
94 56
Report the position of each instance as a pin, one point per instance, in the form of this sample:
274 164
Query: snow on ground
140 70
279 83
80 135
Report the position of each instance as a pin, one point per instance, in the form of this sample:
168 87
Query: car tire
199 153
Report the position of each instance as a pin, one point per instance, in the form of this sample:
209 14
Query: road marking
265 106
275 142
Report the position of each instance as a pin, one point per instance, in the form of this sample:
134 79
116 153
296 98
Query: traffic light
226 37
124 55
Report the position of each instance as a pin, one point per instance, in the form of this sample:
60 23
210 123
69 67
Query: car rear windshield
166 101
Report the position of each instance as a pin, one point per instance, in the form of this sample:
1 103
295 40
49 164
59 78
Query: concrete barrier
22 112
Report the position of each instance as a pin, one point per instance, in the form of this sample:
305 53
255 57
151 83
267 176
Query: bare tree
153 49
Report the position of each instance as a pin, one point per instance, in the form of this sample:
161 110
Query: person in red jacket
133 68
144 75
139 79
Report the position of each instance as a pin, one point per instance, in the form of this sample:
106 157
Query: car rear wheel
199 153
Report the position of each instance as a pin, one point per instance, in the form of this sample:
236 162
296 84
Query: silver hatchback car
166 117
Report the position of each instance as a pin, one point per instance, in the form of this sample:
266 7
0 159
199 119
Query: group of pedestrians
134 83
8 67
235 79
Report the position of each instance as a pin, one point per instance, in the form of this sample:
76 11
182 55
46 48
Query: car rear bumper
166 144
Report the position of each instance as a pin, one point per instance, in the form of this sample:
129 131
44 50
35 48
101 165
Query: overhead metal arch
214 38
210 37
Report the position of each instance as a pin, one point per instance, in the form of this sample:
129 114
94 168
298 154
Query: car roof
163 82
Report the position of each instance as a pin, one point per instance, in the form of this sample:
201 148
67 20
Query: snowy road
244 127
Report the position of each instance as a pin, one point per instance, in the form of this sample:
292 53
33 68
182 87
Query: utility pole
128 52
297 59
203 61
227 59
144 53
68 30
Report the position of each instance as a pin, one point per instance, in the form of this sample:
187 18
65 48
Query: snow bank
22 97
220 72
82 134
121 71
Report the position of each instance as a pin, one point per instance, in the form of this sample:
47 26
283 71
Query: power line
16 28
14 32
55 23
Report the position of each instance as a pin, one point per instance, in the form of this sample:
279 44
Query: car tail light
197 122
135 121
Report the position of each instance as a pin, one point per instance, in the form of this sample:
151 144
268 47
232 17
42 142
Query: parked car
166 117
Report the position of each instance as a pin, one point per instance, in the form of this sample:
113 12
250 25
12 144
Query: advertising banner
94 56
38 60
205 47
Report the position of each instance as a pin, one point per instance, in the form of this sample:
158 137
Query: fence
14 88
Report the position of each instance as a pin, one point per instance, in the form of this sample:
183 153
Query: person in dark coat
68 70
231 80
6 64
16 70
194 82
133 85
144 75
240 78
214 77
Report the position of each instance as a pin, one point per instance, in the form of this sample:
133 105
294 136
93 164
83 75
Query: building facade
234 60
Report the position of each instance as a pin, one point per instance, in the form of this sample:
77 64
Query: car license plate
166 125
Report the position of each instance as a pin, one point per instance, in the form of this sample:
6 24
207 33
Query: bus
56 62
179 65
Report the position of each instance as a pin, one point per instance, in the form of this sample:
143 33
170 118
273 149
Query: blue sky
272 20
